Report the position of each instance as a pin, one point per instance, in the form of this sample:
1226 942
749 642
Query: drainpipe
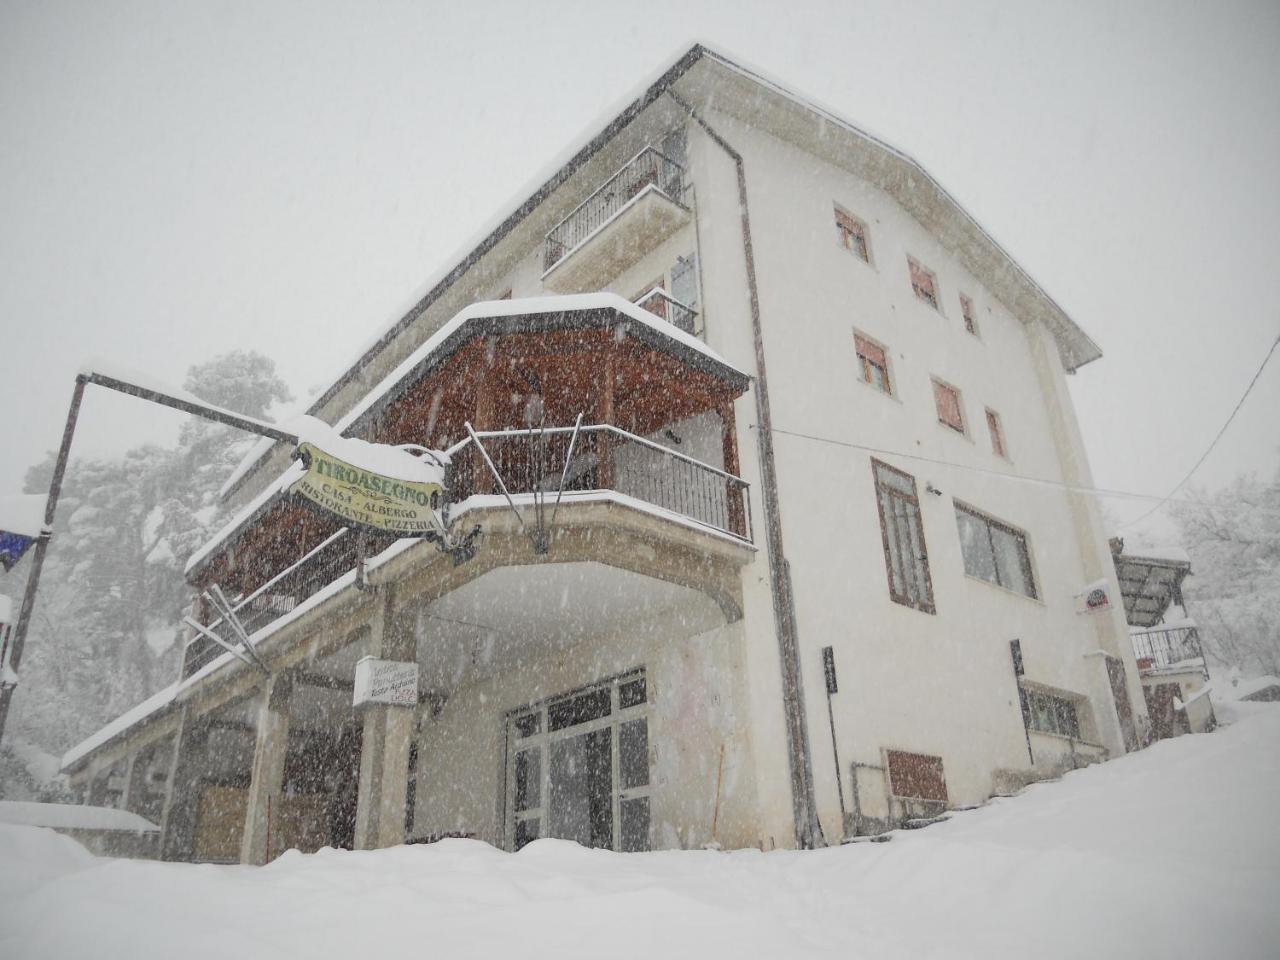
808 829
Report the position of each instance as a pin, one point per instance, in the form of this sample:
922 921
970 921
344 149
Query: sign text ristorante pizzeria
369 499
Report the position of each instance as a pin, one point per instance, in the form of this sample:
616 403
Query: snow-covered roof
1075 344
479 319
129 718
22 514
72 816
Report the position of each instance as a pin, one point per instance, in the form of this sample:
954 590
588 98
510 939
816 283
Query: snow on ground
1170 853
72 816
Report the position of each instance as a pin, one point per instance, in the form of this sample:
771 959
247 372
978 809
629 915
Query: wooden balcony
659 439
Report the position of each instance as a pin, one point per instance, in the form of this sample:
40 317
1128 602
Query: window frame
1055 712
968 314
864 363
934 298
925 604
995 429
963 428
543 737
857 227
1026 559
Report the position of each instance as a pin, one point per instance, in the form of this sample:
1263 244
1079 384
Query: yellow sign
403 507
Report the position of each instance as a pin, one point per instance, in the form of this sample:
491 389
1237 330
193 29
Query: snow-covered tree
111 599
1234 591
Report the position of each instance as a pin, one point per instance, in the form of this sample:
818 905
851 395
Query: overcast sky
178 179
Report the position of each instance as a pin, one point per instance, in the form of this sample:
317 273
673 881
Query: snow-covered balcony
653 462
632 212
1171 648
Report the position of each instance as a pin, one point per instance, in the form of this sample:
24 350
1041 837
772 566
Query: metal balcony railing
1165 647
604 458
278 596
657 302
648 168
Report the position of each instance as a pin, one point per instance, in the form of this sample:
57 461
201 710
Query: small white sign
386 681
1095 598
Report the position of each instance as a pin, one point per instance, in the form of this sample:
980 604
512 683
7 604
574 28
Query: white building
647 682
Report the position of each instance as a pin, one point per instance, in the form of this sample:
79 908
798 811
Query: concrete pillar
262 809
133 772
177 822
388 735
1110 629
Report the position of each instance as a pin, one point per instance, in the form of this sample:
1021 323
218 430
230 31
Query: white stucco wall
939 684
696 706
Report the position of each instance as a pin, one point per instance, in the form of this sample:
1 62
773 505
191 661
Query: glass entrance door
579 768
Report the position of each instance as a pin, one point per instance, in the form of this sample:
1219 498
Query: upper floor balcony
632 212
1166 648
654 457
661 304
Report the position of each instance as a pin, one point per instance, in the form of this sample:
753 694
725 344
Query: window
1048 713
966 311
924 283
995 552
947 400
997 435
852 234
579 767
875 366
905 556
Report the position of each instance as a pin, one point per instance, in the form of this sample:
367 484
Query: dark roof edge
566 170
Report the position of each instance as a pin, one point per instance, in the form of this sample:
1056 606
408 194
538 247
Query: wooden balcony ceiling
1148 585
598 362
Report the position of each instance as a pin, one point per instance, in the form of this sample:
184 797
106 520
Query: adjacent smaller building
1168 653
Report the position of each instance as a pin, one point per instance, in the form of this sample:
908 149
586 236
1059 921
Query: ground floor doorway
578 767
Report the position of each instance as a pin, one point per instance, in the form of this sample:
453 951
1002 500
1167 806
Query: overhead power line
1001 474
1209 449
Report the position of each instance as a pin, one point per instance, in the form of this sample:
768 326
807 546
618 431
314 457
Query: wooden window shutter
869 350
948 404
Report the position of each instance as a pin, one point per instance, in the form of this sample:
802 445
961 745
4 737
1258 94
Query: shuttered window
997 434
905 555
923 282
947 400
966 311
852 234
873 363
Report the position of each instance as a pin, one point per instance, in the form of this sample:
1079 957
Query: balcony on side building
632 212
1167 649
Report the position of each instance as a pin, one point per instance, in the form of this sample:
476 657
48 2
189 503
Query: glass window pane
895 481
527 830
975 546
633 754
1011 561
631 694
581 778
528 779
635 825
896 585
528 725
591 705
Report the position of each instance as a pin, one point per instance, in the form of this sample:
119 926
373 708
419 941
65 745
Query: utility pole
174 399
